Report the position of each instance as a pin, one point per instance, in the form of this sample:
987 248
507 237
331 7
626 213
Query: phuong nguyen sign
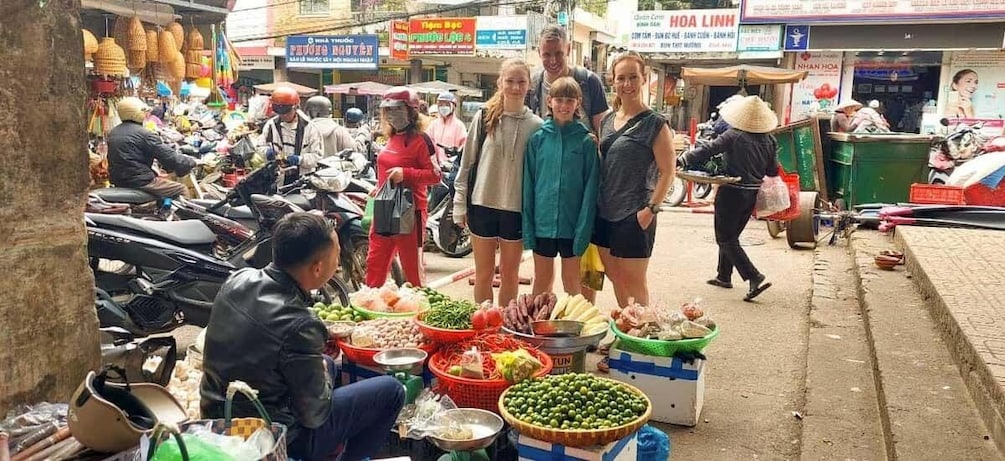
684 31
332 51
399 40
441 36
501 32
824 11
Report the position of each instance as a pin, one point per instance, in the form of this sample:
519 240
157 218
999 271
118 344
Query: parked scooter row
452 240
962 145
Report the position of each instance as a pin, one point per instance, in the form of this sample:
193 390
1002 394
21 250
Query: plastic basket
364 356
936 194
483 394
370 315
659 348
444 336
981 195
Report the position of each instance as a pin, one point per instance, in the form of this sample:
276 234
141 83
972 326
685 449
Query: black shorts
625 238
549 248
491 223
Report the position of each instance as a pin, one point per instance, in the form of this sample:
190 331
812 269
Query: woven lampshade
90 42
178 66
163 72
166 49
136 61
152 48
121 32
193 63
137 36
110 59
179 34
194 40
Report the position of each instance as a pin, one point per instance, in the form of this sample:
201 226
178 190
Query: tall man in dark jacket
132 150
261 332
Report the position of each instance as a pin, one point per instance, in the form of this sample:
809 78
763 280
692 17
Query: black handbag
393 210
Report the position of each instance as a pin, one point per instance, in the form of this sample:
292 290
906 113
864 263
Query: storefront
904 84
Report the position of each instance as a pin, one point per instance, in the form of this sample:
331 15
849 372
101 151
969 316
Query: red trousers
407 247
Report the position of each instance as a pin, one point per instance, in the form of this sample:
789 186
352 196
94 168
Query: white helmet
132 109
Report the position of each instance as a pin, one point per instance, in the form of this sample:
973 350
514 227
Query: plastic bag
367 220
393 210
772 197
198 450
471 364
591 269
653 444
516 366
419 419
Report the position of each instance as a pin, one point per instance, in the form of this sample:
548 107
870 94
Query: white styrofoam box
677 389
530 449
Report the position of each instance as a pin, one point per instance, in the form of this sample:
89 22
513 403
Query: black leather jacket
131 153
261 332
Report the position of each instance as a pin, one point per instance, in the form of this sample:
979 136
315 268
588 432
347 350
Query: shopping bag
393 210
367 220
792 184
772 197
591 269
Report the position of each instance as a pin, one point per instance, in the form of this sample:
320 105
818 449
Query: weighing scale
405 365
485 427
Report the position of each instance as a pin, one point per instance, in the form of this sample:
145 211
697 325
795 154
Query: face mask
398 119
445 110
282 109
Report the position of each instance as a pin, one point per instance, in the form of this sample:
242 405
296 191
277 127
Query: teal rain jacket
561 176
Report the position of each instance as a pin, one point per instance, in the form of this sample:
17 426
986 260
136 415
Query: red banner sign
399 40
450 36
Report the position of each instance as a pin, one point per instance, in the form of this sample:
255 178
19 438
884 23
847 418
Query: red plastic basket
364 356
981 195
936 194
444 336
479 393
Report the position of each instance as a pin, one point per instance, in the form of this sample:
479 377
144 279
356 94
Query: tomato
494 317
479 320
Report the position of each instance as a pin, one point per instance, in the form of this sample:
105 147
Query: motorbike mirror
944 121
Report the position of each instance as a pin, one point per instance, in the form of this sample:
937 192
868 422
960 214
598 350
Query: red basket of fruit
456 321
364 356
467 390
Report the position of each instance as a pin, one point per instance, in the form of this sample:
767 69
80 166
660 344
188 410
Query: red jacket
412 152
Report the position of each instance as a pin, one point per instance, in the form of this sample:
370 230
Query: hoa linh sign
685 31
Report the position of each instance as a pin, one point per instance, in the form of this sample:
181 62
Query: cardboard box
677 389
530 449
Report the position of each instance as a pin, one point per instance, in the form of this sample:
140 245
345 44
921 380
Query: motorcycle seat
124 195
188 232
299 200
227 211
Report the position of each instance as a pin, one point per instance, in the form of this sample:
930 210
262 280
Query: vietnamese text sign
759 38
686 31
332 51
821 86
444 36
823 11
399 40
501 32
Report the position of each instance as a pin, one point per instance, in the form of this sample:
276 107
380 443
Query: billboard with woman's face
976 89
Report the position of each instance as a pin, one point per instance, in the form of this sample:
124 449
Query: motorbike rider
335 138
261 332
288 134
132 150
359 131
447 129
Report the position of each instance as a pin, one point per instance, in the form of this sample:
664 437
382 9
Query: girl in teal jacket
561 176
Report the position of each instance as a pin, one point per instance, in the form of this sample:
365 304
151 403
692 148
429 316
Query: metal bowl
404 359
557 328
484 425
560 344
341 329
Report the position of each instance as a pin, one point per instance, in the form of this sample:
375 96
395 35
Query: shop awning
268 88
437 86
741 75
361 88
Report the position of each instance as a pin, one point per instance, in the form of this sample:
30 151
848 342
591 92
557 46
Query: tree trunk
48 327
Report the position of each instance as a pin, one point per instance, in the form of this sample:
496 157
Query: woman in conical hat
749 153
843 115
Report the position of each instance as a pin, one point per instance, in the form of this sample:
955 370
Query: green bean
450 314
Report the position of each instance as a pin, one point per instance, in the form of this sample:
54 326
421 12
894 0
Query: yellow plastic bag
591 268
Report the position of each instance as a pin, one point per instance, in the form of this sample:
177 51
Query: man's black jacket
131 153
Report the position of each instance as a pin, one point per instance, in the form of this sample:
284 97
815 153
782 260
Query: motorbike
452 240
170 271
954 149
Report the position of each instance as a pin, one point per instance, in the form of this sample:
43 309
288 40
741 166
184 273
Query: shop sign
845 11
399 40
976 89
501 32
332 51
684 31
257 63
250 18
822 85
441 36
759 37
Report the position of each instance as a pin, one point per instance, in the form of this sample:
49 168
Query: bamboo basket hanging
110 59
194 40
178 66
166 48
136 61
120 31
179 34
137 36
152 48
193 63
90 44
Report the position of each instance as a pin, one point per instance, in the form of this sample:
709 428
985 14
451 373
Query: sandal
719 283
604 365
757 289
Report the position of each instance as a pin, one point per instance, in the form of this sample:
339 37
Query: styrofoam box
530 449
676 388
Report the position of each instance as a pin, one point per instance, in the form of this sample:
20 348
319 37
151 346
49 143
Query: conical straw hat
750 114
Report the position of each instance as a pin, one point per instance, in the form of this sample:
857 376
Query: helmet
400 96
354 115
448 97
132 109
285 95
319 106
111 417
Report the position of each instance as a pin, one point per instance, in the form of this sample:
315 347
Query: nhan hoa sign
684 31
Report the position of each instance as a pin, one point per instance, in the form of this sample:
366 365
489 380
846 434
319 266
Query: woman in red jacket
406 159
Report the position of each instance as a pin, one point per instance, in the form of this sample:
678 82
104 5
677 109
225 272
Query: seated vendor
261 332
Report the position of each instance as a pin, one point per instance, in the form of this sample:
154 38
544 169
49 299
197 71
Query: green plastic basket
658 348
371 315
